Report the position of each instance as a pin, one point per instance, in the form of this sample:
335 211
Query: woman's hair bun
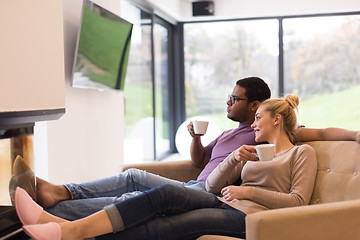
293 101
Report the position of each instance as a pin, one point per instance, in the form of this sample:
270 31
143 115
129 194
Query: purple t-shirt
225 144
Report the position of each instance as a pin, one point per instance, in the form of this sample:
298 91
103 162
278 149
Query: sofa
334 210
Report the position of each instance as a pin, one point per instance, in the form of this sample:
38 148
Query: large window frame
176 85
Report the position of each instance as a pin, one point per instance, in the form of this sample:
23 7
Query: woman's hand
236 192
245 153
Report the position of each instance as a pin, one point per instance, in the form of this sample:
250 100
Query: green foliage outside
341 109
138 100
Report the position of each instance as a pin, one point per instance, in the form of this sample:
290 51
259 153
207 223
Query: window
146 90
322 66
217 54
138 92
319 60
315 57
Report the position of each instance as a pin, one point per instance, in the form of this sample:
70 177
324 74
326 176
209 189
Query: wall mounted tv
102 52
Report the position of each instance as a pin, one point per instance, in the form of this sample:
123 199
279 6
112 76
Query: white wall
87 142
31 56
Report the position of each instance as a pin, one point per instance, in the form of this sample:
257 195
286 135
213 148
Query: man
89 197
242 106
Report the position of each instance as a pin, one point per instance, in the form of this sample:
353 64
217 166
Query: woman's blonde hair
286 108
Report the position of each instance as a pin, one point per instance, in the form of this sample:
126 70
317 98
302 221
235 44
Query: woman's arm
326 134
224 174
229 170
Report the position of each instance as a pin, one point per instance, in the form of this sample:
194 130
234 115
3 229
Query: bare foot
91 226
46 217
70 231
49 194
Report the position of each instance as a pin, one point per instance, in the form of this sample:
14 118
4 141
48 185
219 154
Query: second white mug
265 152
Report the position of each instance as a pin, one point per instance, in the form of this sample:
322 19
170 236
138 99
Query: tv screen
102 51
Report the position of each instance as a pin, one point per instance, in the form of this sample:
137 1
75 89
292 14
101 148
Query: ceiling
181 10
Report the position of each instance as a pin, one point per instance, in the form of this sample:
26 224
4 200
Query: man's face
240 110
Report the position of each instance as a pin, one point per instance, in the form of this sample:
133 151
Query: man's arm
197 150
326 134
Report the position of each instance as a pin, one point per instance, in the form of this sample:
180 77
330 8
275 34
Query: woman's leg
164 200
80 208
156 203
150 208
189 225
94 225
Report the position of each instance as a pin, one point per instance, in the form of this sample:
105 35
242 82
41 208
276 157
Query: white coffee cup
265 152
200 127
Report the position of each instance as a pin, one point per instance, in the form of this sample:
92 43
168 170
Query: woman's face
263 125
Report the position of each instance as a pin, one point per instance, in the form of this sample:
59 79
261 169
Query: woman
175 212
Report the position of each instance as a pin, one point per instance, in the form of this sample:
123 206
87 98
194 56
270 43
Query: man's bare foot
49 194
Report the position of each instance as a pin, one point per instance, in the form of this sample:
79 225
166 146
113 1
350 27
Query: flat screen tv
102 51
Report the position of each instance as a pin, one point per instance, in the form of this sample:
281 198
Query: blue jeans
174 212
90 197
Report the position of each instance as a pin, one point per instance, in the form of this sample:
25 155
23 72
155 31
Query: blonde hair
286 108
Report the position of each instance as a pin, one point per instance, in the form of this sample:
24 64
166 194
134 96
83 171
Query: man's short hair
256 88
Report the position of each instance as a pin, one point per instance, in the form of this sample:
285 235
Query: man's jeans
93 196
174 212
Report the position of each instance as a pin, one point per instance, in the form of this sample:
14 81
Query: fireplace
16 169
17 163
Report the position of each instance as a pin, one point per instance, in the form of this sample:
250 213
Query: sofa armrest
331 221
179 170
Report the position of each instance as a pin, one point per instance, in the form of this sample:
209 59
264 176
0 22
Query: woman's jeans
90 197
174 212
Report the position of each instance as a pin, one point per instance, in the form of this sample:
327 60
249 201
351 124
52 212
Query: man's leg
90 197
115 186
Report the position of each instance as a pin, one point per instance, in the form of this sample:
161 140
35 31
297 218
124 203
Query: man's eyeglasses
233 98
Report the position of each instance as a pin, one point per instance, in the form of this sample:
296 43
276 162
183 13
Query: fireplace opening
16 170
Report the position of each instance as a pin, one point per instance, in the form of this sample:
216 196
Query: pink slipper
47 231
27 210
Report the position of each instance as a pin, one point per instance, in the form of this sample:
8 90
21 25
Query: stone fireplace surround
16 164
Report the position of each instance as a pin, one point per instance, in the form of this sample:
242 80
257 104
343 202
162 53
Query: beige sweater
286 181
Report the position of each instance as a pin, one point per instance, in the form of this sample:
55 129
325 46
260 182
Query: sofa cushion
338 176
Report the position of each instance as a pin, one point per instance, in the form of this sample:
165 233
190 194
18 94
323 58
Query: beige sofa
334 211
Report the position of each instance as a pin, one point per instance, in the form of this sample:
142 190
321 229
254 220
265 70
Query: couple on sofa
179 210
